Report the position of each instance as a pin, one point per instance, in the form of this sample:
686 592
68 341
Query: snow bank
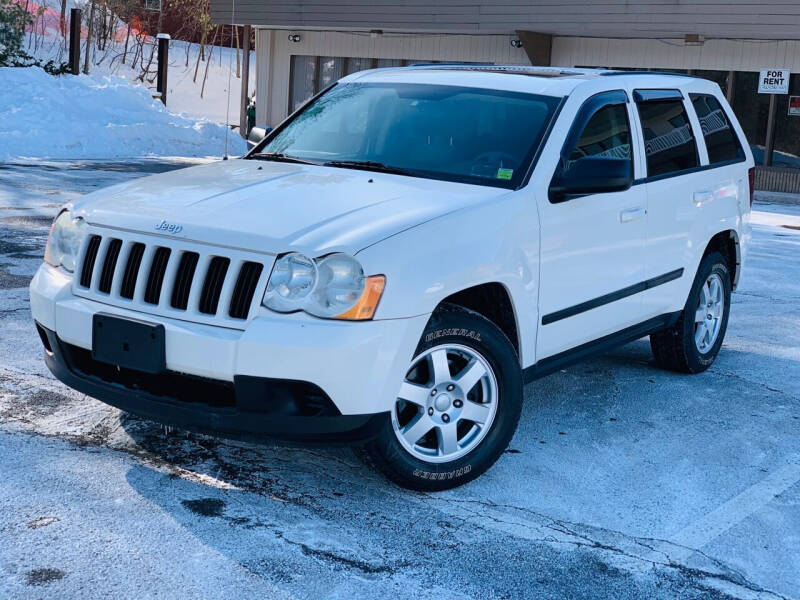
95 117
183 89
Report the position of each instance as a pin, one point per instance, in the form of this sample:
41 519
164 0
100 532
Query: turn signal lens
366 306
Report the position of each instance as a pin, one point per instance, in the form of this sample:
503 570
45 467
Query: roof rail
614 72
530 70
441 64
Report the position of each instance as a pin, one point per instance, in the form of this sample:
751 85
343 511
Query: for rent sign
794 106
774 81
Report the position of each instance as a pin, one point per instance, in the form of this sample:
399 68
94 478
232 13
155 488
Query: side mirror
257 135
591 175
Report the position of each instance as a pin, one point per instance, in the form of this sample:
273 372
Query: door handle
702 196
631 214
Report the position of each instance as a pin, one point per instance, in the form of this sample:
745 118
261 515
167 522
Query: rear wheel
692 344
457 408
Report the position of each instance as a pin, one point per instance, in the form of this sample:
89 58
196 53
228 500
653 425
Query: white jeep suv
391 264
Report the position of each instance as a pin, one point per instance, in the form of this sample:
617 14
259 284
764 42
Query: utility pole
245 82
163 63
75 41
769 146
731 87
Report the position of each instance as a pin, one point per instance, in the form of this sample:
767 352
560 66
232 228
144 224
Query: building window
750 107
718 77
311 74
669 141
153 5
787 128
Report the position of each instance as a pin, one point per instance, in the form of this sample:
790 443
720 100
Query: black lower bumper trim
252 409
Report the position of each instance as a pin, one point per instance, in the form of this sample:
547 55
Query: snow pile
96 117
186 75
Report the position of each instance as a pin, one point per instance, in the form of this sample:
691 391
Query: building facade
302 46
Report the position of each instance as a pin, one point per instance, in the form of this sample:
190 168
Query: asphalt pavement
623 481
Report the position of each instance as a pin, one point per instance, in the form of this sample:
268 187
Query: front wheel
457 408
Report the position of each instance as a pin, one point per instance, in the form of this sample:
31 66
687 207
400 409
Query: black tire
675 348
456 325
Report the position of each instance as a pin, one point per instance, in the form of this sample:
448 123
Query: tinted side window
668 138
721 140
607 134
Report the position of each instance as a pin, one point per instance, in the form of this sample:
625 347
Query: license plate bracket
129 343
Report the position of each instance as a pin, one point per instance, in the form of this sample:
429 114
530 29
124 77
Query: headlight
64 242
340 284
331 287
293 278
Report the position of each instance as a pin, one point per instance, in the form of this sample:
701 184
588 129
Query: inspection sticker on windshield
504 173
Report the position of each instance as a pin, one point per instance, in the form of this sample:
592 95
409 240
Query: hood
277 207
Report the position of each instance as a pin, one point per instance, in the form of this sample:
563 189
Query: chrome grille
182 280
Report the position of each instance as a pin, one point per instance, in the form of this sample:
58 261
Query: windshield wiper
366 165
281 157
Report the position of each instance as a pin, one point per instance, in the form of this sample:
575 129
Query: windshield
472 135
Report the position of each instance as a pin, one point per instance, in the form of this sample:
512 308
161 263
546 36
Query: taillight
751 176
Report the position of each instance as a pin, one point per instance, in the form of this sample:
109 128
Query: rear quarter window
669 142
721 140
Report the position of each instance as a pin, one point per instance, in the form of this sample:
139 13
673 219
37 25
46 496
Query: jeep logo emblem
169 227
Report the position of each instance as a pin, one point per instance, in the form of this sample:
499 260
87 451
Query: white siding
765 19
714 55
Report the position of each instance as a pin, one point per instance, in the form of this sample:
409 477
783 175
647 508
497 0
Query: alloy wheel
446 404
709 313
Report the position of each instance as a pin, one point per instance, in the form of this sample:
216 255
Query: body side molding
636 288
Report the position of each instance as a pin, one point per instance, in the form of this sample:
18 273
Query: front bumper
252 409
356 367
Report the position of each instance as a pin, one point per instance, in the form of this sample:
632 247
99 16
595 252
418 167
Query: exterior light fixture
294 37
693 39
516 43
